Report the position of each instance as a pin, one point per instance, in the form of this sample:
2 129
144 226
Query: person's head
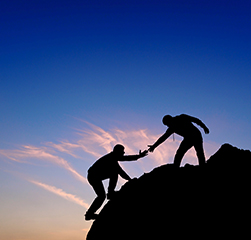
167 120
119 150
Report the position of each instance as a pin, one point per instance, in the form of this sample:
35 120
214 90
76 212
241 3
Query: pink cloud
41 153
61 193
97 142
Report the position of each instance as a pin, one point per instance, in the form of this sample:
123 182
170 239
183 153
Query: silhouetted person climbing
182 125
104 168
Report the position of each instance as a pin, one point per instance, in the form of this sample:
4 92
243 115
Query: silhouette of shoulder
106 163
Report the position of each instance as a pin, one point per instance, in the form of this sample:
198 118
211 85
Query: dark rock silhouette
176 203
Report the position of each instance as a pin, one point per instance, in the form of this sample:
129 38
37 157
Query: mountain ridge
189 201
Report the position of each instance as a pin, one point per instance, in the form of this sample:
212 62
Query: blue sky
74 72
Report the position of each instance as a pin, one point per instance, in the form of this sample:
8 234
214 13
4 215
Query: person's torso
104 167
184 127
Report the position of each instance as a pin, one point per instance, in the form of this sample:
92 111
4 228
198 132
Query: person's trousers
185 145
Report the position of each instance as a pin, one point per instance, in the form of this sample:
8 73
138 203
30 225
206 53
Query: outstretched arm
123 174
198 122
112 183
160 140
134 157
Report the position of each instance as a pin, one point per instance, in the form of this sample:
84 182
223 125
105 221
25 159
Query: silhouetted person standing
182 125
107 167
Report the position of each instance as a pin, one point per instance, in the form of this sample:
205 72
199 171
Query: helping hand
206 130
143 154
151 148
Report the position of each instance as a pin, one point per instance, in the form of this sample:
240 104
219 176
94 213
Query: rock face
169 203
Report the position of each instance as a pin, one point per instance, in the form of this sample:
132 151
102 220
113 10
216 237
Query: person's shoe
91 216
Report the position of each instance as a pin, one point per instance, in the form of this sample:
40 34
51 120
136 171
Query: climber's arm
161 139
198 122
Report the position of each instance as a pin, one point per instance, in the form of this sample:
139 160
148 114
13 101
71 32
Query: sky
78 77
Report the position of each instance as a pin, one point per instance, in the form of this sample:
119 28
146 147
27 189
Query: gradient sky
77 77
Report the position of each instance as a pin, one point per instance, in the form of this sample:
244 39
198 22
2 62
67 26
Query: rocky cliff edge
169 203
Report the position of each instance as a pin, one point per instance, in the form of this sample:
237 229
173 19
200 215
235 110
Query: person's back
105 166
183 126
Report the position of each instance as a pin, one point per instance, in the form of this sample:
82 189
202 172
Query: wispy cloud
30 152
65 147
61 193
97 141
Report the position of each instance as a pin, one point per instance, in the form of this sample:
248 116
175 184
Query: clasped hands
145 153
